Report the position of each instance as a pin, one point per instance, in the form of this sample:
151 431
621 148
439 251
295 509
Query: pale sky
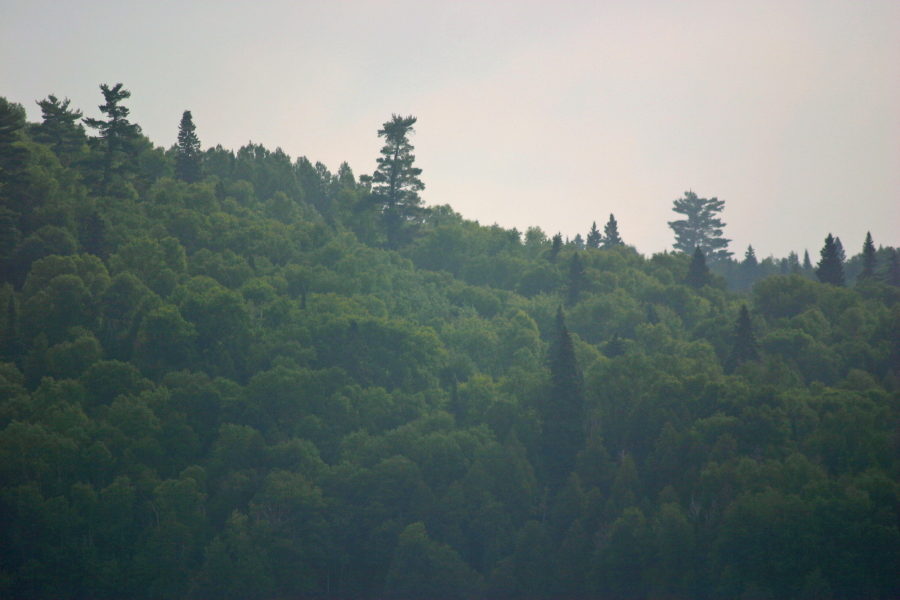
553 114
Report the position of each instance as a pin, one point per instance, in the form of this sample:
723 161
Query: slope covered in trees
278 381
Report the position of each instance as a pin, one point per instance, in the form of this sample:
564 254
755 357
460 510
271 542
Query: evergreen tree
745 347
556 245
701 227
698 272
793 263
807 264
396 181
577 279
840 249
563 410
594 237
611 237
12 154
750 258
868 258
830 268
893 269
60 128
578 241
117 133
188 153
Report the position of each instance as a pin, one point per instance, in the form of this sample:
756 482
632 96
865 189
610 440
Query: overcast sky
530 113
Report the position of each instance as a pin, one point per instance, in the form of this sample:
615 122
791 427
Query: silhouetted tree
396 181
187 153
698 272
594 237
611 237
868 258
60 128
701 227
830 268
12 154
807 264
556 244
117 133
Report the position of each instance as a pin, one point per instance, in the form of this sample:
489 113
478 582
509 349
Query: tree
396 181
556 244
117 132
698 272
830 268
594 237
893 270
868 258
60 128
611 237
563 409
577 279
12 154
745 346
701 227
807 264
187 153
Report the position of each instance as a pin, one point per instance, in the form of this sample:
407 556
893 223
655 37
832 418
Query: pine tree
698 272
611 237
578 241
807 264
117 133
702 228
577 279
594 237
830 268
556 245
868 258
60 128
188 153
750 258
745 347
396 181
563 410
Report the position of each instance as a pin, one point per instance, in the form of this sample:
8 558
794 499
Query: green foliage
230 388
701 228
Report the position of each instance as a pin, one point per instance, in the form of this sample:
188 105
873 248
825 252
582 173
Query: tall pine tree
117 133
830 268
701 227
60 128
611 237
562 411
396 181
187 153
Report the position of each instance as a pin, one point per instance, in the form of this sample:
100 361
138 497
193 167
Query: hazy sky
530 113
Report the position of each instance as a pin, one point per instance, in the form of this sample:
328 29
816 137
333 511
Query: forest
237 374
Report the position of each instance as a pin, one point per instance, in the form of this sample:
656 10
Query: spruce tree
611 237
563 410
594 237
745 346
892 277
556 245
830 268
188 153
578 241
701 227
868 258
750 258
807 264
396 181
698 272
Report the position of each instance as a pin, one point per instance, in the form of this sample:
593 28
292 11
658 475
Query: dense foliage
265 384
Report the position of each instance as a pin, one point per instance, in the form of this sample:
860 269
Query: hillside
239 375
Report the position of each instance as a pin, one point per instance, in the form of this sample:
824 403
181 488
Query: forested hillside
240 375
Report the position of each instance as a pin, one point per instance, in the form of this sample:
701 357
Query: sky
550 114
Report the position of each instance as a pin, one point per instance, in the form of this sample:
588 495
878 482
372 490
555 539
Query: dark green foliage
745 347
698 273
594 237
562 410
12 154
893 269
869 261
118 135
701 227
61 129
396 181
230 388
831 265
577 281
611 237
188 154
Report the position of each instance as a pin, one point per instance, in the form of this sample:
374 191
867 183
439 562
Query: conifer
830 268
868 258
745 347
188 153
698 272
594 237
611 237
